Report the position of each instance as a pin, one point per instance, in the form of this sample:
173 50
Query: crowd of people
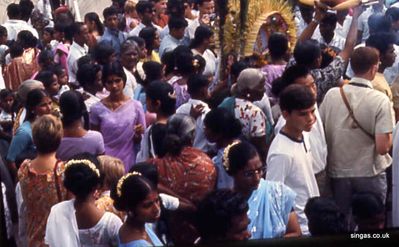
130 129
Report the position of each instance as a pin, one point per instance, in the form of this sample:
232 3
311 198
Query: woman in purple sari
119 118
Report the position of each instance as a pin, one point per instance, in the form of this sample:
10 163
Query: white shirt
343 30
192 27
200 140
169 202
290 162
75 52
210 62
317 141
131 84
362 23
336 41
395 177
62 228
15 26
45 8
136 31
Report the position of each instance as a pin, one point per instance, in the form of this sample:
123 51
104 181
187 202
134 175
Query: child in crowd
7 114
368 211
160 100
324 217
47 41
3 45
131 17
113 170
62 77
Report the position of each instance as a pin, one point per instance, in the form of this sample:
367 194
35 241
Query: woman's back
39 192
92 142
191 174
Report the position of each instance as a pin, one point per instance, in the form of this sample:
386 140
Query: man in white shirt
328 36
206 12
363 26
175 37
78 49
290 158
297 74
14 25
145 11
197 108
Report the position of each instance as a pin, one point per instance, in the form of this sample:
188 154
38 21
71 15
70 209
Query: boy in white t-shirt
290 159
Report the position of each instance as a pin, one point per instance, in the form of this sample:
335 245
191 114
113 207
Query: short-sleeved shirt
22 142
251 117
289 161
395 93
92 142
380 84
345 140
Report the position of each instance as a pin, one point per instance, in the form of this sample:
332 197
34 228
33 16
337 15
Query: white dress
62 228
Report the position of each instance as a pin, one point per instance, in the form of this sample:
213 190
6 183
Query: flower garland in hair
122 180
172 94
87 163
226 162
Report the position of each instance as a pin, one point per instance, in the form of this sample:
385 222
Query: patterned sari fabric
269 208
191 175
39 193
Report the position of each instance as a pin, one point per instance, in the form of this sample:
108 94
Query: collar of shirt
197 102
362 81
112 32
83 50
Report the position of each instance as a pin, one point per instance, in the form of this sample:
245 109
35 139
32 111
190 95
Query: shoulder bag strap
341 89
57 182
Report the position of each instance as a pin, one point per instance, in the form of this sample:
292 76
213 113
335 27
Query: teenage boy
290 159
112 35
197 108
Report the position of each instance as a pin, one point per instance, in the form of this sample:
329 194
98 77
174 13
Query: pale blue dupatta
269 208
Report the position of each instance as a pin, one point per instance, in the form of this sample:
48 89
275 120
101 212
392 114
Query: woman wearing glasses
270 203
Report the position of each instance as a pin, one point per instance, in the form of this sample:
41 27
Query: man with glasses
146 12
290 158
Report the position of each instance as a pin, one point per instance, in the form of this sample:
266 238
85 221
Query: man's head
176 27
324 217
160 6
111 20
80 33
328 25
175 8
3 35
26 7
206 7
379 23
393 14
278 45
308 54
296 74
222 216
145 11
13 11
365 62
368 211
383 42
297 105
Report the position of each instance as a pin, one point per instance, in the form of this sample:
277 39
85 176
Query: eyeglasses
250 173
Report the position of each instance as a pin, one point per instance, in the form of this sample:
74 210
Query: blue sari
141 242
269 209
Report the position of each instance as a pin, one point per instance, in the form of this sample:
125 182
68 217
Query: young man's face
3 39
148 15
309 82
83 36
302 120
112 22
208 7
389 56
